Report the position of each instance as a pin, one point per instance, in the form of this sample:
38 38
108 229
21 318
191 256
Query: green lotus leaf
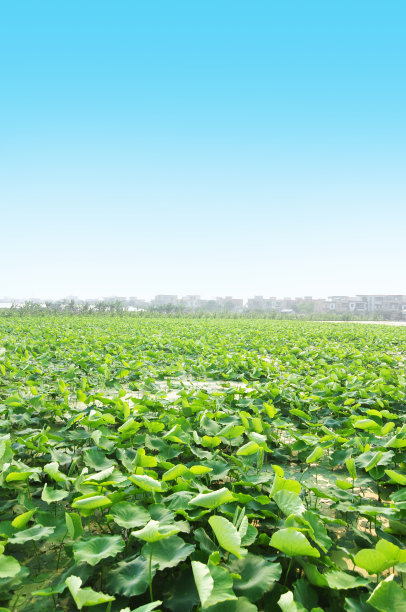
130 578
96 548
146 482
100 476
257 576
200 469
86 596
280 483
373 561
174 473
97 460
51 496
52 469
21 520
213 499
396 477
227 535
145 608
168 552
73 525
388 596
391 552
293 543
155 531
9 567
288 604
248 449
88 503
214 584
129 515
289 502
38 532
336 579
315 455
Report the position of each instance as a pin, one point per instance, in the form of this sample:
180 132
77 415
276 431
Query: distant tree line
117 308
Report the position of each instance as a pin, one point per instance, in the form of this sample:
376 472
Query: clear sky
208 146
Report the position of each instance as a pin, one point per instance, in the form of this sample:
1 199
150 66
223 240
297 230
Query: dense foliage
219 465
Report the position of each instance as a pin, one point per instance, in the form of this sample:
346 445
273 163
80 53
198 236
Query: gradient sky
210 146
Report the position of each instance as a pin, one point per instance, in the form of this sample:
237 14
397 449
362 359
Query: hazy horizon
202 148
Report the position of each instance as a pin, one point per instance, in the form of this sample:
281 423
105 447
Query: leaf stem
150 573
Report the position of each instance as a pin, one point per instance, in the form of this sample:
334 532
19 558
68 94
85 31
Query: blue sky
210 147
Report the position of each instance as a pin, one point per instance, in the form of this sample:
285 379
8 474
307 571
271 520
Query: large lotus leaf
184 599
231 431
358 604
214 584
154 531
9 584
288 604
130 578
9 567
242 604
88 503
20 476
392 552
174 472
203 579
38 532
289 502
250 448
52 469
145 608
198 470
396 477
83 571
315 455
319 532
51 496
372 560
100 476
73 525
97 460
305 594
168 552
129 515
257 576
227 535
219 469
213 499
146 483
388 596
369 457
206 543
95 549
280 483
293 543
87 596
21 520
161 513
336 579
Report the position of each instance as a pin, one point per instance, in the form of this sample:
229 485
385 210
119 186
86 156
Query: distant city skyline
198 295
386 306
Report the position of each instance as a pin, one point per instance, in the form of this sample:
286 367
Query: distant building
165 300
230 304
191 302
384 303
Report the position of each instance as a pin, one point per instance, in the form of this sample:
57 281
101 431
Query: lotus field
215 465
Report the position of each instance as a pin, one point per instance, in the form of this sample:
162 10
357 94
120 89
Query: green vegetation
206 465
